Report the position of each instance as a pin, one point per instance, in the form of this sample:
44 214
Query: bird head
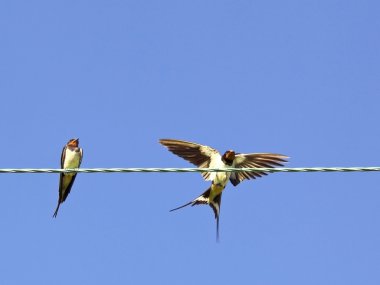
73 142
228 157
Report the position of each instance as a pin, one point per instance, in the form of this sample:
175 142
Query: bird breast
72 158
221 178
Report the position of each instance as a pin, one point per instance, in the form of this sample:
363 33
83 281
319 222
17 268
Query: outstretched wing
255 160
200 155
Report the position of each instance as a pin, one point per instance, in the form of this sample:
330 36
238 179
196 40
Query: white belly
72 159
221 178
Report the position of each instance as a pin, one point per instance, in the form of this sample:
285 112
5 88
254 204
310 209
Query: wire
129 170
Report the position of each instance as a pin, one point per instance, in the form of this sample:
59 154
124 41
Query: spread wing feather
255 160
201 156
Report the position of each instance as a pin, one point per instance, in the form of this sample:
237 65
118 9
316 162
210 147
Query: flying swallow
206 157
71 157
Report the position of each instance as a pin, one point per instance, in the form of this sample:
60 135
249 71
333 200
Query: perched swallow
71 158
206 157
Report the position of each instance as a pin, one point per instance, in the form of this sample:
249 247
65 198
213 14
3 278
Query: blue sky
294 77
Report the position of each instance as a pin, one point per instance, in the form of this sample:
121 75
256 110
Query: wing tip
234 182
162 141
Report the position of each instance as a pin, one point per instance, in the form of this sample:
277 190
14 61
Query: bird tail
204 199
56 210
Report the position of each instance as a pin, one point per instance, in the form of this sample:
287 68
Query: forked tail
204 200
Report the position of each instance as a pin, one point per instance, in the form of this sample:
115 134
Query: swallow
71 157
207 157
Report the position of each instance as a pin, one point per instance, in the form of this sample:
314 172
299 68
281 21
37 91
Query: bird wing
81 156
200 155
63 155
61 176
255 160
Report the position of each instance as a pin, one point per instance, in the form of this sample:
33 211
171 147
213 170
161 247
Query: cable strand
179 170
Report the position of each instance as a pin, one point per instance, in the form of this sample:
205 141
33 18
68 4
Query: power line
173 170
